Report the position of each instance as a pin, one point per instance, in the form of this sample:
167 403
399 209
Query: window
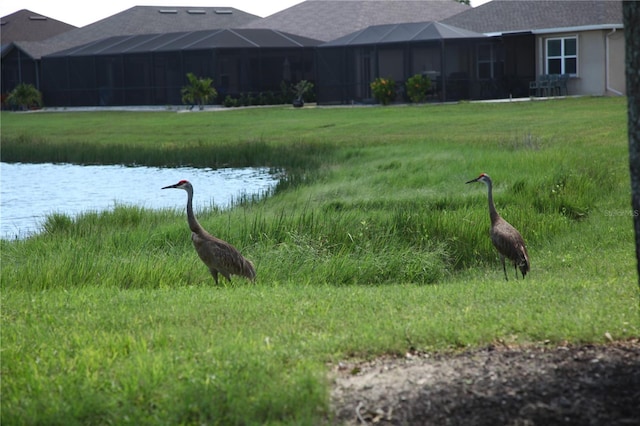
490 61
562 55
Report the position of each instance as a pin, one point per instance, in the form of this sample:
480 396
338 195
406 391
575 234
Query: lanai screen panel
347 65
18 67
151 69
110 80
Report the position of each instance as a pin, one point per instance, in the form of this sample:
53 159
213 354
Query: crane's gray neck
493 214
191 218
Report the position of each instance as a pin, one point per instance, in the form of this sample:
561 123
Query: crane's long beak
170 186
473 180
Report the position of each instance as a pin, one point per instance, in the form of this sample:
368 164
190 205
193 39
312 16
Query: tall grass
368 213
374 245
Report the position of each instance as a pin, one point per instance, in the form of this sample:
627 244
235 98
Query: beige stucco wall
600 62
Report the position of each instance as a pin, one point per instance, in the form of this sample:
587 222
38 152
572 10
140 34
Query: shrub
271 98
25 96
286 94
230 102
417 87
383 89
245 99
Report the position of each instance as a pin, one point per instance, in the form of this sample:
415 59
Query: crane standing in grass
219 256
506 239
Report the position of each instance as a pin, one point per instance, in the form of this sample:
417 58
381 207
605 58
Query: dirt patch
568 385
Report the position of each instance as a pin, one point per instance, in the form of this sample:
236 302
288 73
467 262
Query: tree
25 96
199 91
631 19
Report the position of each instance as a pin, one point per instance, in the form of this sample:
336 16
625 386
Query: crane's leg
504 268
214 274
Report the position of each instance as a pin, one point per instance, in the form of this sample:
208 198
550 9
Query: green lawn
372 245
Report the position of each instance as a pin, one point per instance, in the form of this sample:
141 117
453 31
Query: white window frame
563 56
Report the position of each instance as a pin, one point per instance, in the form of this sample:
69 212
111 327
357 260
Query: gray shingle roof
330 19
399 33
499 16
143 20
25 25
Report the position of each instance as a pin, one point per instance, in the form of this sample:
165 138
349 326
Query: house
582 38
24 25
494 50
24 53
75 72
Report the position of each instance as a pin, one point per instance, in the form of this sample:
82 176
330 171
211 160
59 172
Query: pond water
31 192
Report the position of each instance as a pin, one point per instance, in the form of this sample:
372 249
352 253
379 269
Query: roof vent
224 12
196 12
168 11
38 18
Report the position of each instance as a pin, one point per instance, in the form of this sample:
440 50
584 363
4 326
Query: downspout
607 65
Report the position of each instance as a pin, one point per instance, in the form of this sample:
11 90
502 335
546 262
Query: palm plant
25 96
199 91
301 88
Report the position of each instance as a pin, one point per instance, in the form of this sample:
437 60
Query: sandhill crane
506 239
218 255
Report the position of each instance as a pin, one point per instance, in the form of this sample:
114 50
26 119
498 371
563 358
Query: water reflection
30 192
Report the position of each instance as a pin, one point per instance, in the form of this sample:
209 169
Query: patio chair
549 85
541 85
534 87
563 79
